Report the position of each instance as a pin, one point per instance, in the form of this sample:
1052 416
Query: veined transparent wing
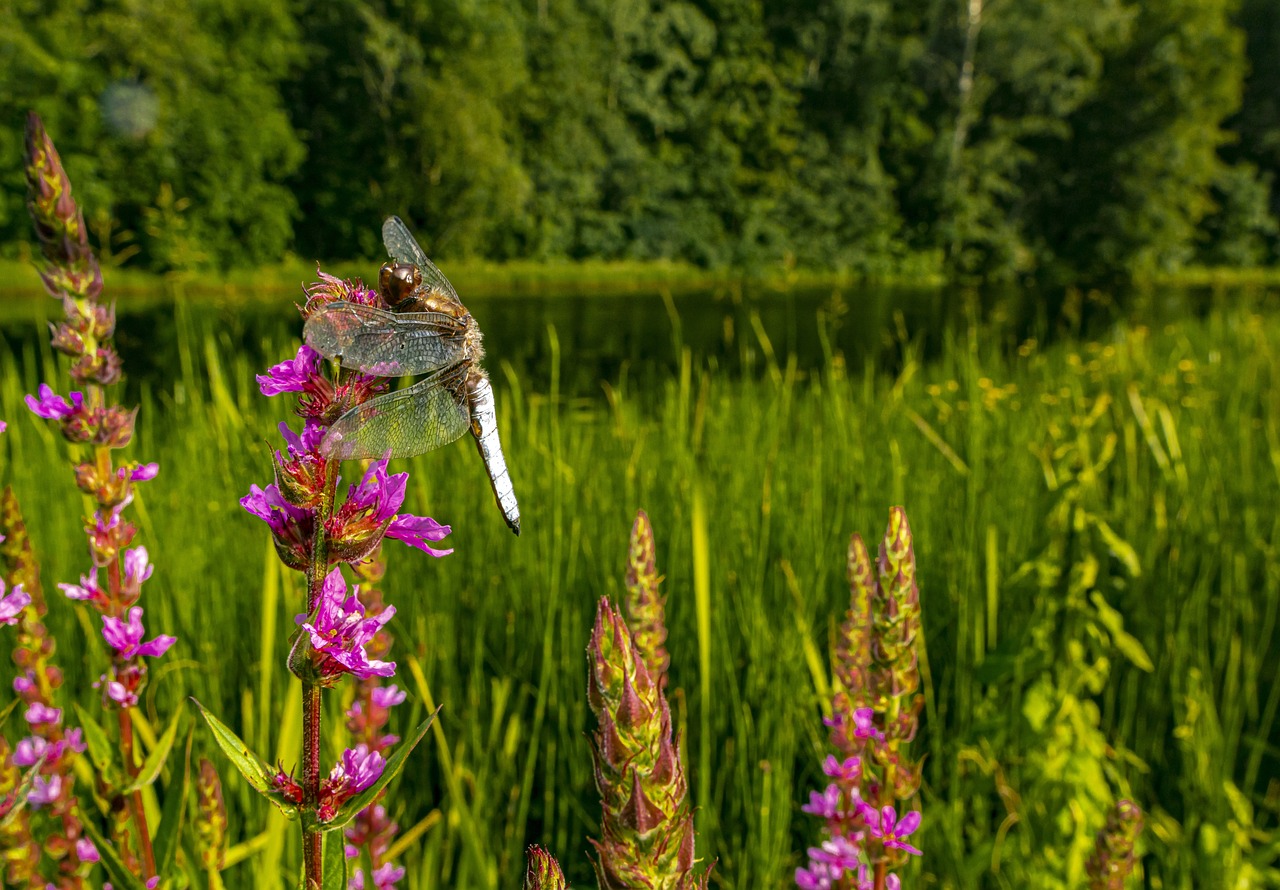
403 248
431 413
387 344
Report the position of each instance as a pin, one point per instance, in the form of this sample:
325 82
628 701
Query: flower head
126 637
293 375
340 631
45 790
12 603
52 406
885 824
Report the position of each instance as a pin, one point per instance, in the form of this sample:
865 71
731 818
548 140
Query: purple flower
144 472
292 375
39 712
359 769
377 494
87 590
52 406
119 693
271 507
838 853
12 604
416 531
884 824
863 724
86 851
306 444
45 790
136 567
386 875
387 696
815 877
126 638
825 804
3 426
24 682
848 771
28 751
341 631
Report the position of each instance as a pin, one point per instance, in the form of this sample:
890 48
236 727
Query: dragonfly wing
403 248
420 418
387 344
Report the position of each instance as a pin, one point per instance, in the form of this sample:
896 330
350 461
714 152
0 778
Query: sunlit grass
753 486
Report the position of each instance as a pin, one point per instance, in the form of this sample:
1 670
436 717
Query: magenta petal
416 531
909 823
145 472
157 647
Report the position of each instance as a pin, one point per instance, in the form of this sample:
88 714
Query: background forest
1069 140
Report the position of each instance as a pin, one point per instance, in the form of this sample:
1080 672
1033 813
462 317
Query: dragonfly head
397 282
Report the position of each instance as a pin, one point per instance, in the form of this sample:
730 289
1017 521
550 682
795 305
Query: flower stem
136 809
311 835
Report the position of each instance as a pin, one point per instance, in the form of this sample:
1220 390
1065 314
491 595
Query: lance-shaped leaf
174 813
100 747
8 709
251 766
121 877
334 861
395 764
155 760
16 799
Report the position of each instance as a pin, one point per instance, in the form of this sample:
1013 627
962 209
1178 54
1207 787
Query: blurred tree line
1066 139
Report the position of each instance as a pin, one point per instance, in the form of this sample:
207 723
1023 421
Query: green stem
312 837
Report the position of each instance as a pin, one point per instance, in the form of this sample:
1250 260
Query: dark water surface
641 337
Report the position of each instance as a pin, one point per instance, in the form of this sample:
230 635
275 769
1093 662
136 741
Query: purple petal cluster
126 636
293 375
12 603
340 631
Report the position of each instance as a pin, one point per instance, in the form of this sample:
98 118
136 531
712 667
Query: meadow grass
1096 537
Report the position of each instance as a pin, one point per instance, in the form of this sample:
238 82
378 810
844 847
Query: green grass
1036 712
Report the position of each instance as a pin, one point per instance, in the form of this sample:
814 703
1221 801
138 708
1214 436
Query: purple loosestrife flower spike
646 606
874 714
1114 854
543 872
647 836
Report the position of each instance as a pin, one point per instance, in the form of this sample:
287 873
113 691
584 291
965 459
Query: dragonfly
426 330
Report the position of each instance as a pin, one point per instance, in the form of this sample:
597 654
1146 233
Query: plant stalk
312 838
136 810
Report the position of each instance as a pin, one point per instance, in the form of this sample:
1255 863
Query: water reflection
642 336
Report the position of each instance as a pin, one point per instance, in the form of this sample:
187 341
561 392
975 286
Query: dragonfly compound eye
398 281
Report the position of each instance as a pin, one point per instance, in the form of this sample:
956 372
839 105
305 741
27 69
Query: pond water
641 336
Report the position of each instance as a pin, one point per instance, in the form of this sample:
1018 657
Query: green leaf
251 766
175 811
17 798
334 861
100 747
392 769
8 710
155 760
1128 645
121 877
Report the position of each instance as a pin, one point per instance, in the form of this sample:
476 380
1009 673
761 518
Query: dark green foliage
170 119
1092 140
